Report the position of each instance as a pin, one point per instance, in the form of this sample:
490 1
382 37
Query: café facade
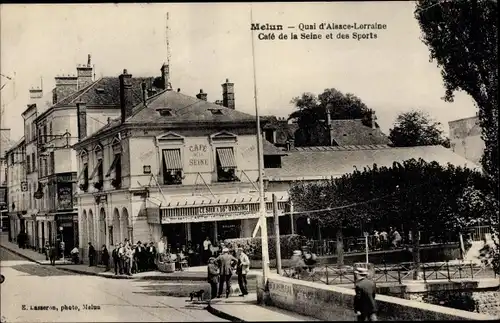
175 167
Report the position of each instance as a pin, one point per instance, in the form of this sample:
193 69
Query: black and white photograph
249 161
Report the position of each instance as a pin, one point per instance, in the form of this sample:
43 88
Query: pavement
78 293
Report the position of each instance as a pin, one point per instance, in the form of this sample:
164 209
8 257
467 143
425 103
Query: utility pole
262 204
277 234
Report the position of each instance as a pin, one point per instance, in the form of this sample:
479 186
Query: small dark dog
198 295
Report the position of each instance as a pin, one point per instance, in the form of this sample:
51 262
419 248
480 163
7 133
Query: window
172 167
272 161
34 168
50 129
116 166
226 165
45 167
28 164
83 176
52 163
33 131
269 134
44 134
98 169
29 195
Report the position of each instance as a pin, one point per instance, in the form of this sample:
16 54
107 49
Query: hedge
253 246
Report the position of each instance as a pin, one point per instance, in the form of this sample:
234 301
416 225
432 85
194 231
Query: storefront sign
61 218
237 208
208 217
199 157
64 196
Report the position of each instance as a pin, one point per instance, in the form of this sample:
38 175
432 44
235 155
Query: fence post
385 271
471 270
448 270
399 275
326 269
423 272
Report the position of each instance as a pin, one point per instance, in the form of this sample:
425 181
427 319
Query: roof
104 92
354 132
326 162
184 109
284 131
14 145
271 150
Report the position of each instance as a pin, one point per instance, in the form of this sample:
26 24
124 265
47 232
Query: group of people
303 260
221 269
127 258
387 240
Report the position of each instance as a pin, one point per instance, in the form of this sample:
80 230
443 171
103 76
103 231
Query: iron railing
393 273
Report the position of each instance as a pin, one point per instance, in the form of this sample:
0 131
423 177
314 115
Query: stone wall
336 303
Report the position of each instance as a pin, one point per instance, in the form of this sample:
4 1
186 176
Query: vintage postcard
195 162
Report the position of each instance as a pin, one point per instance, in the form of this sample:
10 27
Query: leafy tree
416 128
311 110
424 196
462 37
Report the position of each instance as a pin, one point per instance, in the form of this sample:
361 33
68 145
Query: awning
226 157
82 172
172 159
113 164
99 162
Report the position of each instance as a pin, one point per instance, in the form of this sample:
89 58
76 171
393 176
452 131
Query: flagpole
262 204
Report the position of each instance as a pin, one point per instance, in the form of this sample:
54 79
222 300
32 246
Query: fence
396 273
477 233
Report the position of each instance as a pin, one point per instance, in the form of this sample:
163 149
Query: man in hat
364 301
213 277
242 270
226 263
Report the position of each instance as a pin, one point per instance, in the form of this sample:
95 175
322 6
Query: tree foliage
462 37
311 110
420 195
416 128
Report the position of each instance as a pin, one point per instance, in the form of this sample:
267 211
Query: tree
462 37
422 196
311 109
416 128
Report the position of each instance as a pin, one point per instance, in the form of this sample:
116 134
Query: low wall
333 303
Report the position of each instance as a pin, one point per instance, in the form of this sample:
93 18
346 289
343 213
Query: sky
210 43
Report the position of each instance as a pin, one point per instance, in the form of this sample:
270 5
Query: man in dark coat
226 263
213 277
52 255
105 257
151 252
91 255
364 301
116 260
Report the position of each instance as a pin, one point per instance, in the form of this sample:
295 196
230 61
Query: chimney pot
201 90
125 71
228 95
125 95
178 90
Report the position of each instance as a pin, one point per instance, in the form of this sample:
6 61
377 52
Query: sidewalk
246 309
189 274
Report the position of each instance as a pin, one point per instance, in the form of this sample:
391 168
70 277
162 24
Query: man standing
91 255
52 255
226 262
242 270
206 249
364 301
151 256
116 260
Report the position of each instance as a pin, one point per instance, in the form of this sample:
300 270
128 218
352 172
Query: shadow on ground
41 271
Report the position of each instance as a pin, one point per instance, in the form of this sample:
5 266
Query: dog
198 295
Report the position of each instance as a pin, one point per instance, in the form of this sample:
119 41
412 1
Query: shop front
234 218
66 217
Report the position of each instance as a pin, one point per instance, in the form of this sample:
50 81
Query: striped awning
172 159
99 162
113 164
84 169
226 157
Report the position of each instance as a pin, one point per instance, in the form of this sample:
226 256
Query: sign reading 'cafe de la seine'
212 213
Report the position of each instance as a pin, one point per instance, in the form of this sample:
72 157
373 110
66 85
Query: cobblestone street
41 293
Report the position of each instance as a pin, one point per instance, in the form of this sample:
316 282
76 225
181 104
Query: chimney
228 95
373 117
329 108
125 95
84 74
201 95
165 77
144 92
65 86
81 111
36 94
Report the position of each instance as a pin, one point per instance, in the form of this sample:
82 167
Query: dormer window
216 111
164 112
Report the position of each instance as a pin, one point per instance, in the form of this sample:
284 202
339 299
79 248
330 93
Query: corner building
173 166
